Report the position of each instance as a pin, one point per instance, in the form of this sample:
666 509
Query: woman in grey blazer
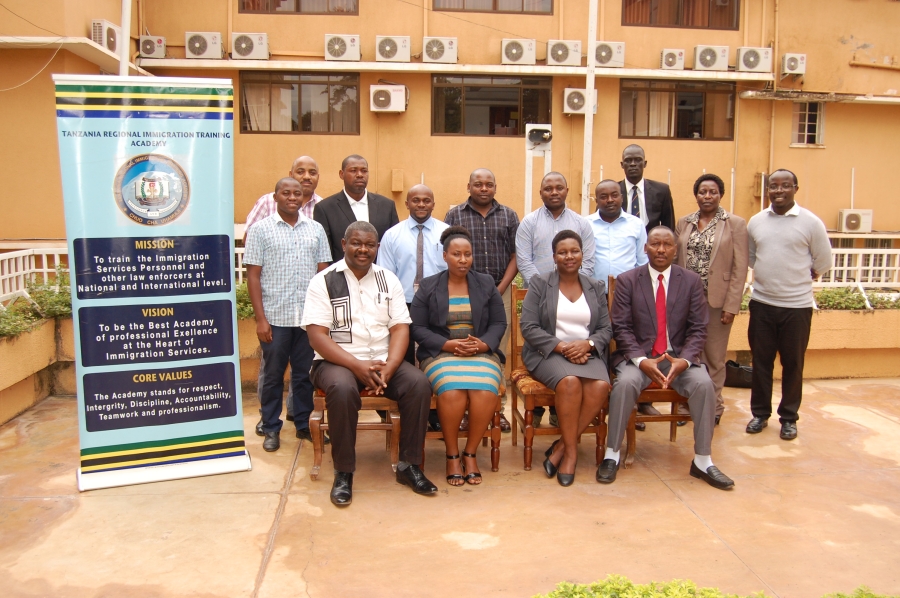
713 243
566 328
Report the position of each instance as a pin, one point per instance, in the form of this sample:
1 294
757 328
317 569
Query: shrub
53 300
17 318
243 305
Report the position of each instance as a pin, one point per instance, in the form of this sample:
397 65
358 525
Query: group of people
352 298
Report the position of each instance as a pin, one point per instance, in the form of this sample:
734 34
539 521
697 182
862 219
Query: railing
872 268
34 266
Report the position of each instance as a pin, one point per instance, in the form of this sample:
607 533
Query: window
307 7
676 110
300 103
524 6
695 14
809 124
489 105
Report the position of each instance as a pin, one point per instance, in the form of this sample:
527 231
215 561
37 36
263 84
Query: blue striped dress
452 372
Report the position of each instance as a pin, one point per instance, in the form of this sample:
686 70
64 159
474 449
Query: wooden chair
651 394
318 425
533 394
492 433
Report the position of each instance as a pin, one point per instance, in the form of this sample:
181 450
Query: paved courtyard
820 514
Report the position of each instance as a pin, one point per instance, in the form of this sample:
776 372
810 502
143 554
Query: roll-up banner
147 174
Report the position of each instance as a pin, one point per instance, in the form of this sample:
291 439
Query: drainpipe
227 41
125 42
561 14
589 114
424 19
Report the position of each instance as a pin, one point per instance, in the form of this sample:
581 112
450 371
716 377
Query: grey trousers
693 383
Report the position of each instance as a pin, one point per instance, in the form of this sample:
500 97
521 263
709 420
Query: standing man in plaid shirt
284 251
493 228
305 171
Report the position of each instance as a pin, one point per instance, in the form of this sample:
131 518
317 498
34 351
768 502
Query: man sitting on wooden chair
358 324
659 319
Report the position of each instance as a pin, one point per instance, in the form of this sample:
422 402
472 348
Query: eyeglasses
774 187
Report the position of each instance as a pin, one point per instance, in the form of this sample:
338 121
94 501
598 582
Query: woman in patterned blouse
713 243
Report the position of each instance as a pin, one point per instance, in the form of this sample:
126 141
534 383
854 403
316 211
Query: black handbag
737 375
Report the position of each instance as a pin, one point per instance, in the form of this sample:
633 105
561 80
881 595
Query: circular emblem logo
151 189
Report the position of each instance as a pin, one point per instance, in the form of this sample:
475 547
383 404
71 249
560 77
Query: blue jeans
289 345
260 378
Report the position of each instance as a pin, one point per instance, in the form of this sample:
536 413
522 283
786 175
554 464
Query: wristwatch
591 343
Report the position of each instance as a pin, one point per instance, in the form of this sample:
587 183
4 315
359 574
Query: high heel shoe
470 477
565 479
549 451
549 468
454 476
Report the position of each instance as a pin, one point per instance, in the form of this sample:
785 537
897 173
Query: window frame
521 87
676 90
498 12
270 83
737 10
820 125
272 11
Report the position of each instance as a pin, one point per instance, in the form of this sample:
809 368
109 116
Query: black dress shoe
756 425
289 417
305 434
433 422
718 418
272 442
413 477
504 424
259 428
549 468
712 476
640 426
606 473
647 409
788 430
342 489
464 424
549 451
565 479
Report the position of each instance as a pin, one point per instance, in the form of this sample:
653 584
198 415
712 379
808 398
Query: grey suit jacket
538 321
728 260
335 215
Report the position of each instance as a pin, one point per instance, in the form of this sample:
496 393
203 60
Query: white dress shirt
360 208
641 199
654 280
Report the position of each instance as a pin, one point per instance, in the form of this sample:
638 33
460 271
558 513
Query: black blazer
658 201
431 305
335 215
538 322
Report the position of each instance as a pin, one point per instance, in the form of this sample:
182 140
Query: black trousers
782 330
408 386
289 345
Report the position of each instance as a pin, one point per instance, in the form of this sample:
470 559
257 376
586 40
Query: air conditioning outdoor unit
393 48
672 59
106 34
754 60
609 54
579 101
249 46
855 221
387 98
711 58
203 44
563 52
517 51
439 49
793 64
341 47
153 47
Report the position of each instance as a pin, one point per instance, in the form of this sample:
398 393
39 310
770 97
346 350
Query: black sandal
454 476
471 476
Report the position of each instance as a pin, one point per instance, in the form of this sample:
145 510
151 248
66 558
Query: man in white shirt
358 325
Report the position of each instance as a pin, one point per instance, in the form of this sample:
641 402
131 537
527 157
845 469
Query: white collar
794 211
341 266
639 185
413 223
363 202
300 217
654 274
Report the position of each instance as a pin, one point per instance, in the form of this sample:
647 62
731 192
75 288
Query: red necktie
659 347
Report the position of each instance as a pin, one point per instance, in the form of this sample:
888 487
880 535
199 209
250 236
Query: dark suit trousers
409 387
289 345
693 383
784 330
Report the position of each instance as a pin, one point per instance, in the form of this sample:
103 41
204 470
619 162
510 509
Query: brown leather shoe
647 409
504 424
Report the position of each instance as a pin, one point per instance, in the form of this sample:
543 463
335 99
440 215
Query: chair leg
528 435
315 421
673 430
514 423
631 439
495 442
395 438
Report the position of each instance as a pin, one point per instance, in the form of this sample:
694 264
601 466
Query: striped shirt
265 207
493 236
289 257
534 241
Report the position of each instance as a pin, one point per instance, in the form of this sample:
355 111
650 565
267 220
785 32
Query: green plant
618 586
53 300
860 592
244 306
851 298
18 317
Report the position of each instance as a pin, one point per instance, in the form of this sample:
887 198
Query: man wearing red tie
659 318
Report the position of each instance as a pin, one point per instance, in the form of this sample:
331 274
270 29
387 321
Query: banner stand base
161 473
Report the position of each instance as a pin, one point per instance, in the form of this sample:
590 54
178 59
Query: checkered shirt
493 237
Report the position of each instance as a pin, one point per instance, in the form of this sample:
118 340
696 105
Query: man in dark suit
352 204
659 317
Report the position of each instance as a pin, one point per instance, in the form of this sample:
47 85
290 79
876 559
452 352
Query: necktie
420 255
635 202
659 347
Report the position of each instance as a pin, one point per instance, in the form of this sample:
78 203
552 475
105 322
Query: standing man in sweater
789 247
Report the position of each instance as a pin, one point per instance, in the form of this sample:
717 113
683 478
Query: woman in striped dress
458 321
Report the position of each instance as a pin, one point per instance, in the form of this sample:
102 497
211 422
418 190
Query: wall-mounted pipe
875 65
589 114
125 50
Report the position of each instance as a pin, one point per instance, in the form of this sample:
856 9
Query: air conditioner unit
153 47
249 46
393 48
711 58
341 47
387 98
793 64
106 34
609 54
439 49
672 59
517 51
579 101
563 52
855 221
754 60
203 44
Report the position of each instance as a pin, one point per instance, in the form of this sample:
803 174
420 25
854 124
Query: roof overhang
80 46
808 96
